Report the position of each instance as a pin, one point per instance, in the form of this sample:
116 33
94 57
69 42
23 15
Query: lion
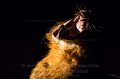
68 42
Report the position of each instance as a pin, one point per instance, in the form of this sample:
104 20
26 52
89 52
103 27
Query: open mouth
70 29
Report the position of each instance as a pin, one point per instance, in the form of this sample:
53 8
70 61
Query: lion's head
78 28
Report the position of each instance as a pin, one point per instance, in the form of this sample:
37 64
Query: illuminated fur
60 61
64 54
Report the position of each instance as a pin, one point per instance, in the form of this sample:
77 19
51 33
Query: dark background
24 24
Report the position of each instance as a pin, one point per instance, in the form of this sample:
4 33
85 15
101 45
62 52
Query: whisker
100 27
97 30
43 39
93 26
83 8
77 6
90 27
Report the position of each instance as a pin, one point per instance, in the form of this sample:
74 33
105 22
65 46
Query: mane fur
61 60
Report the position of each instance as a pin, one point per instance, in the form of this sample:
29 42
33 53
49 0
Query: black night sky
24 24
